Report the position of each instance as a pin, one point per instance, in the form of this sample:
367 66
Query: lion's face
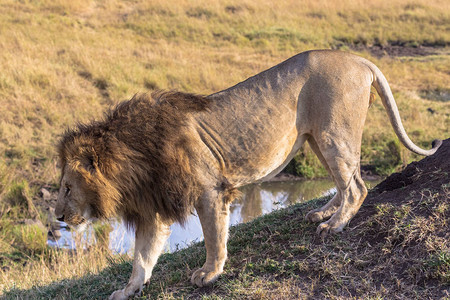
73 205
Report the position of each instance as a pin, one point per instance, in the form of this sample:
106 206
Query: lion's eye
67 191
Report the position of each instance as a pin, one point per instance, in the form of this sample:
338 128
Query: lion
154 159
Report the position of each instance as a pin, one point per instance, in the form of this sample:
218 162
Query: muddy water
258 199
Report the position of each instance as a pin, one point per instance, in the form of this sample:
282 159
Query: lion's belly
263 165
280 162
269 156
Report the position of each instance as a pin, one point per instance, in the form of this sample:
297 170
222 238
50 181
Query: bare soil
399 50
430 173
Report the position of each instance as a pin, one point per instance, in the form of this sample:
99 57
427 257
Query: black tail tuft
436 144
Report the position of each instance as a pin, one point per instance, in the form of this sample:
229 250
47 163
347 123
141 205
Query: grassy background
66 61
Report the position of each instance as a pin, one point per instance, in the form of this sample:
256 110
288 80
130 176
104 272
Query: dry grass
53 266
66 61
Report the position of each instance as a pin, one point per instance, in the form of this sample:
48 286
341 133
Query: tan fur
154 158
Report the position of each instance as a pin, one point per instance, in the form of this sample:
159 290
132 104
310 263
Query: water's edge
257 200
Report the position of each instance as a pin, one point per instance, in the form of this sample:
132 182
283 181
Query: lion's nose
61 219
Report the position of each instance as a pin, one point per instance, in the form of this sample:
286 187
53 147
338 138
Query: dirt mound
422 179
431 173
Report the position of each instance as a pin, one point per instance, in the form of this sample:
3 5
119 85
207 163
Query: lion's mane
136 161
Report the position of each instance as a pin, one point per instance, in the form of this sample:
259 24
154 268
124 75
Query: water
257 200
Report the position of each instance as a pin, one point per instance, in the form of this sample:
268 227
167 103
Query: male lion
153 159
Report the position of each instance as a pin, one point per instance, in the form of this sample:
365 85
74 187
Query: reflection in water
257 199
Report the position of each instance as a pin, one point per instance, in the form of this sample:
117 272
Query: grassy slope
66 61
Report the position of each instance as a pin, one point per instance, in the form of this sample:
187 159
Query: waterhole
257 200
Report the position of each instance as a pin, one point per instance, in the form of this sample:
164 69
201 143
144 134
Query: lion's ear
89 160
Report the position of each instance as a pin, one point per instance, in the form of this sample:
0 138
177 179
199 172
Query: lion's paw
314 216
327 228
202 277
323 230
118 295
123 295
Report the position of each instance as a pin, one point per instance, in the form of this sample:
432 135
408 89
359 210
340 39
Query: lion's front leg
214 217
150 240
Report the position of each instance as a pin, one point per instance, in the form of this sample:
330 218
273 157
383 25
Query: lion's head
72 206
84 192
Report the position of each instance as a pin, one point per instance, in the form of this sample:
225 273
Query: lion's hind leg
324 212
336 132
345 167
353 192
340 151
213 212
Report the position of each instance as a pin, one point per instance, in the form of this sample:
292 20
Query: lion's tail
381 85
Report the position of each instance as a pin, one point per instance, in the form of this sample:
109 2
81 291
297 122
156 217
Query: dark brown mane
138 158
